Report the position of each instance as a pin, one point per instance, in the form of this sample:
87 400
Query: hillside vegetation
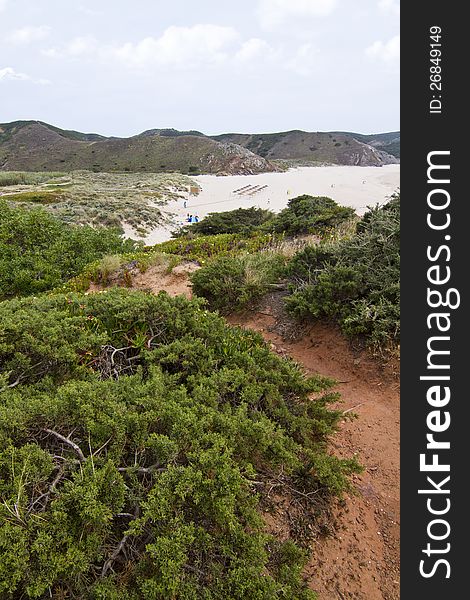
350 274
388 142
37 146
316 147
355 282
86 198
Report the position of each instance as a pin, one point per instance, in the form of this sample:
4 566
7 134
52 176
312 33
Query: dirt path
361 560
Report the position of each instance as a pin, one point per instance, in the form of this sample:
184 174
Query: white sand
358 187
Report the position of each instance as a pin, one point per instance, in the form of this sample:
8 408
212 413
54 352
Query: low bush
311 214
237 282
355 282
210 246
241 220
37 197
136 432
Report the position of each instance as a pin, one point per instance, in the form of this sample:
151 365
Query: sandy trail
358 187
361 560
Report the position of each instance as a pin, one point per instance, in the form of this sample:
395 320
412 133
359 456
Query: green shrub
233 283
38 252
241 220
311 214
355 281
135 434
209 246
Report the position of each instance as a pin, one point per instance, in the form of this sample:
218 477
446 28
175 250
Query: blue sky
119 67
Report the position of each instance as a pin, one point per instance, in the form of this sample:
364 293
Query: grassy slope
35 146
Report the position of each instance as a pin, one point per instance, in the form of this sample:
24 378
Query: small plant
108 265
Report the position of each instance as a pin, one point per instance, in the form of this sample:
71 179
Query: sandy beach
358 187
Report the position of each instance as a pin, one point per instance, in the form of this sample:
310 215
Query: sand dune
358 187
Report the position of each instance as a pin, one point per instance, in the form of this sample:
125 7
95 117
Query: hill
333 148
37 146
388 142
7 130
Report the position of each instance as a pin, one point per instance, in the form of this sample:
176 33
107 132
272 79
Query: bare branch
111 560
73 445
47 494
20 377
12 385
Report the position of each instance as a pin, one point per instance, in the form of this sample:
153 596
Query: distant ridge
340 148
37 146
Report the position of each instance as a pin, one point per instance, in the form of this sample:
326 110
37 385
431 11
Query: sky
119 67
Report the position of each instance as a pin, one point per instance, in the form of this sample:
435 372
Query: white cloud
254 50
389 6
199 46
273 13
386 51
9 74
179 47
3 4
27 35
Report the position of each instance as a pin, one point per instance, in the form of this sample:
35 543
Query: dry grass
11 178
111 199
